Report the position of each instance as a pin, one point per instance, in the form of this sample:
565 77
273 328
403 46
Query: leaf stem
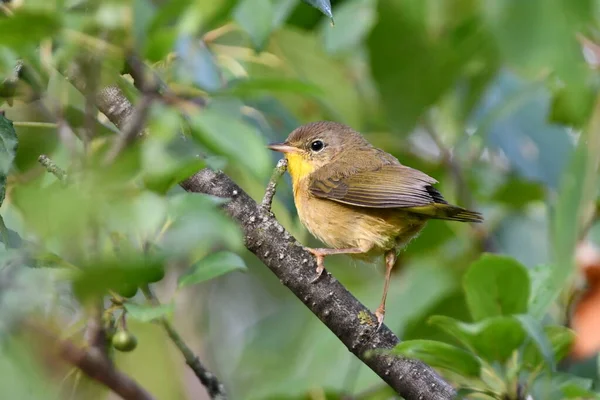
35 124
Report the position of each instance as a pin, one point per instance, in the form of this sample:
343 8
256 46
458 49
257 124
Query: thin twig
53 168
35 124
214 387
272 186
93 363
95 333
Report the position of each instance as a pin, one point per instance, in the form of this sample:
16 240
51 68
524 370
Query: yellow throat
298 167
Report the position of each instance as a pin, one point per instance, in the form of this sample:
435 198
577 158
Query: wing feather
389 186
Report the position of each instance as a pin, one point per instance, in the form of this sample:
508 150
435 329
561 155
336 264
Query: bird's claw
380 314
320 264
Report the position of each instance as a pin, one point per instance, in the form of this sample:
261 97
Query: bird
358 199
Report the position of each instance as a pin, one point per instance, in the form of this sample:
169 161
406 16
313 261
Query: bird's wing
389 186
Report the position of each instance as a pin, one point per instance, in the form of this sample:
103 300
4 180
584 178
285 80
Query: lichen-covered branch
272 185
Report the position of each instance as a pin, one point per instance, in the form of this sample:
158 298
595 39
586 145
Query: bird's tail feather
448 212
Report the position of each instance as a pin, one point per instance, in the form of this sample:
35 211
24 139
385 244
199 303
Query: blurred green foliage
496 100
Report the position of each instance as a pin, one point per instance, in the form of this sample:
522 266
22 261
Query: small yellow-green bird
358 199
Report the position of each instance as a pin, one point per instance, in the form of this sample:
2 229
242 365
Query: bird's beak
283 148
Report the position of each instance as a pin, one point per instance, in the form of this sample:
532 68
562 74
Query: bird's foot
320 262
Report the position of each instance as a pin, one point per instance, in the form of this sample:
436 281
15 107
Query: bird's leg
320 255
390 260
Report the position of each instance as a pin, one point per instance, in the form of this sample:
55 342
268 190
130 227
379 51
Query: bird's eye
317 145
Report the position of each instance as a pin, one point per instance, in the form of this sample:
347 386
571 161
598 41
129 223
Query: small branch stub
272 186
53 168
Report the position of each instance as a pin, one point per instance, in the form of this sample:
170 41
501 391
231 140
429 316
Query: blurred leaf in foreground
353 21
212 266
102 275
255 17
28 27
148 313
198 226
232 137
412 67
322 5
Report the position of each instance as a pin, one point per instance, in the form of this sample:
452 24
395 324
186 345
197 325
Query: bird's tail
447 212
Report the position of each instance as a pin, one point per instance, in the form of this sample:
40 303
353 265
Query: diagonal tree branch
343 314
339 310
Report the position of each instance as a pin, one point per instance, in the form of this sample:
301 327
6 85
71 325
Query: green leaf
572 107
493 339
541 292
260 86
144 13
560 386
574 391
441 355
339 99
560 340
281 11
212 266
148 313
106 274
197 64
198 226
353 21
27 27
549 45
233 138
414 68
573 387
538 338
169 176
322 5
163 167
8 149
496 285
141 216
577 192
255 17
550 42
518 192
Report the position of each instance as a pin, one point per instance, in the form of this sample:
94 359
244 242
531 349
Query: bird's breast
343 226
